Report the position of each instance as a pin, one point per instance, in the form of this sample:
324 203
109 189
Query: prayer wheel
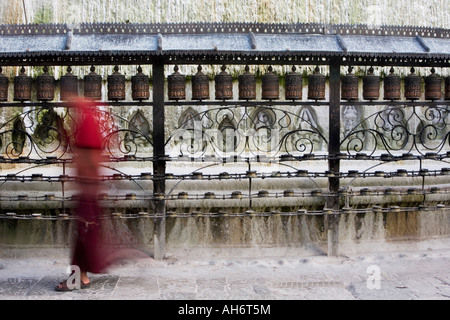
69 86
140 88
45 86
93 85
270 85
22 86
247 85
316 85
116 85
392 86
412 86
293 85
4 83
200 85
371 86
447 88
349 89
433 86
176 84
223 85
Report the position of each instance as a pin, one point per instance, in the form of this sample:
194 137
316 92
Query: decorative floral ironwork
41 132
246 131
400 129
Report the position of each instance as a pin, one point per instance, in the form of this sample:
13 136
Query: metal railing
322 149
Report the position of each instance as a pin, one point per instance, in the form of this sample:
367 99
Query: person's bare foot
84 278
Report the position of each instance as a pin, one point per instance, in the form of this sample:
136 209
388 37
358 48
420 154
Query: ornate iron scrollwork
246 131
42 132
400 129
35 133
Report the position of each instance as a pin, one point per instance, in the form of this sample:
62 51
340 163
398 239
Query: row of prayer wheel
392 86
316 86
247 85
45 86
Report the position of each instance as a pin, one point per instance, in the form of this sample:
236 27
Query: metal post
159 164
332 219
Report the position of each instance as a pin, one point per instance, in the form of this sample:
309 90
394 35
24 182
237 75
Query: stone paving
413 271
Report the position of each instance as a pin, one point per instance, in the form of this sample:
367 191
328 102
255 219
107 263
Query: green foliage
44 15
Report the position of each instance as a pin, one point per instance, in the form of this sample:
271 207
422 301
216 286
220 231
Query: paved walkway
417 270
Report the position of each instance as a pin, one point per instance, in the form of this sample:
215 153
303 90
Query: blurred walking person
89 253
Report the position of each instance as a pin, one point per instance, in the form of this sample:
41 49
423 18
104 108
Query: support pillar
159 162
332 203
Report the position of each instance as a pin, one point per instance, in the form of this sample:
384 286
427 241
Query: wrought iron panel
398 129
241 131
40 133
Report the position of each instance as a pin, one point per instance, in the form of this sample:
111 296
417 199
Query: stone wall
433 13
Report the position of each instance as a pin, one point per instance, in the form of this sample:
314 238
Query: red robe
89 253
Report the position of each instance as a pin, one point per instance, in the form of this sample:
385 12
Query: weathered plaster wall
432 13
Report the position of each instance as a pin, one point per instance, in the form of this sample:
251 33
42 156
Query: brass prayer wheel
223 85
392 86
140 88
22 86
116 85
371 86
69 85
316 85
247 85
45 86
349 89
433 86
200 85
4 83
447 88
412 86
93 85
270 85
293 85
176 84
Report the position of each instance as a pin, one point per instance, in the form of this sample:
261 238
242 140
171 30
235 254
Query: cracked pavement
400 271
